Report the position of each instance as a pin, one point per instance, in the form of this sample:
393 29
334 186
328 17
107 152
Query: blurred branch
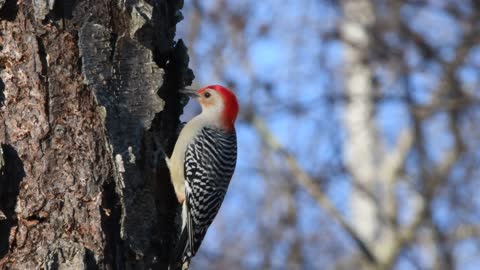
404 237
466 231
390 169
309 185
408 234
452 104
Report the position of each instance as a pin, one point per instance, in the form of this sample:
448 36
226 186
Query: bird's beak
189 92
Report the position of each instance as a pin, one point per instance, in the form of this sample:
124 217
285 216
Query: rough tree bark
87 98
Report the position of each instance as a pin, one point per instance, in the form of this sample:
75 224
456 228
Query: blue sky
284 44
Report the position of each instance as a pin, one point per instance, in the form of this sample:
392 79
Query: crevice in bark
2 94
42 54
90 261
36 218
111 215
11 175
113 46
9 10
43 60
62 10
54 262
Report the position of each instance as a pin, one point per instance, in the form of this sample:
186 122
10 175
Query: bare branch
390 169
304 180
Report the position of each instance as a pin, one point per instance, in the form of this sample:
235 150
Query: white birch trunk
361 146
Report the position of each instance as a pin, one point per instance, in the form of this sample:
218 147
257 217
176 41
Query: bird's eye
207 95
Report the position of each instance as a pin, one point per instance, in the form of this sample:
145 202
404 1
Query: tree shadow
11 174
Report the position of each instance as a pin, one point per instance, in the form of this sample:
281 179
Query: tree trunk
88 101
363 147
361 143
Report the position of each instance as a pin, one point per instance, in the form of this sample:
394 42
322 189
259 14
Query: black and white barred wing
209 164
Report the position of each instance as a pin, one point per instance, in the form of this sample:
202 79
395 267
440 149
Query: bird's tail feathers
181 249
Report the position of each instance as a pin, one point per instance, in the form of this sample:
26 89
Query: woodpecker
202 165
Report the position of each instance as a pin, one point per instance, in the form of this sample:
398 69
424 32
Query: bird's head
219 104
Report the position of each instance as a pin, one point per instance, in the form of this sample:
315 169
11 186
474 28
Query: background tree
359 141
88 98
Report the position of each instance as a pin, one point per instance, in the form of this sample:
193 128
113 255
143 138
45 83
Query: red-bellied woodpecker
202 165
